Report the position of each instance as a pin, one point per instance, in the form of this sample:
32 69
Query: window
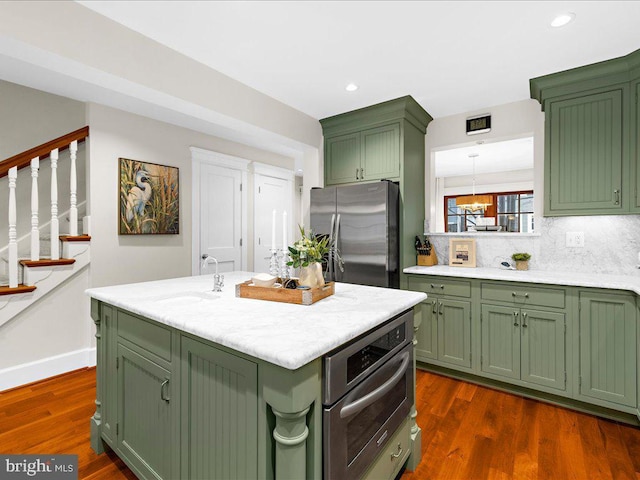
511 210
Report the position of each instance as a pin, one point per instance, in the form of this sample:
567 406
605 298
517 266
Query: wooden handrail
23 159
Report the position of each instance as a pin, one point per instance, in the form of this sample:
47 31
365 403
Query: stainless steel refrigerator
362 221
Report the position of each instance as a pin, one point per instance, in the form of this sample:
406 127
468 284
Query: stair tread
75 238
5 290
47 262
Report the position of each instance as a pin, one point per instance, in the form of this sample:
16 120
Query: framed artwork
462 252
149 198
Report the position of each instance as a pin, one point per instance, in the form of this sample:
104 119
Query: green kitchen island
196 384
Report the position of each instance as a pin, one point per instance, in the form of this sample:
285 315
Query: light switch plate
575 239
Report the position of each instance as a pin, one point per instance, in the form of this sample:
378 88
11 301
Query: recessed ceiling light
562 19
352 87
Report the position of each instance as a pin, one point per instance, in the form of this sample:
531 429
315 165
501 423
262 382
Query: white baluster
73 210
35 233
55 227
13 244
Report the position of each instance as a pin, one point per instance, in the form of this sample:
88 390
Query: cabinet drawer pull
515 319
162 391
441 287
514 294
396 455
616 195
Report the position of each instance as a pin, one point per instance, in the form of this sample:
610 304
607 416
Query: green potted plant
307 254
522 260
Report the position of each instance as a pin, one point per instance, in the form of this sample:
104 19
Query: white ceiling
452 57
484 158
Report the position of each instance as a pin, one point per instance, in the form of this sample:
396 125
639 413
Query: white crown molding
219 159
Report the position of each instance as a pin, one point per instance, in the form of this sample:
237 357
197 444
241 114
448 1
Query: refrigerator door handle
330 269
336 236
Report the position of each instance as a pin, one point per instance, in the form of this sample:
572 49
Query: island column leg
416 432
291 434
96 419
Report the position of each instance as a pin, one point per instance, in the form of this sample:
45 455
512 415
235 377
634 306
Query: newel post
73 210
13 244
35 233
55 227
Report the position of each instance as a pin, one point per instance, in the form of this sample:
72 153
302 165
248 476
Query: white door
221 217
270 194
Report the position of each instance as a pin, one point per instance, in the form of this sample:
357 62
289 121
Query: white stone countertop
285 334
577 279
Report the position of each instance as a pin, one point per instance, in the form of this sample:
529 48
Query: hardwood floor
52 417
468 433
471 432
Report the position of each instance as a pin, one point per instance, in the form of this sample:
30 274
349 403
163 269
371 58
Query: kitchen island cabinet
194 384
559 337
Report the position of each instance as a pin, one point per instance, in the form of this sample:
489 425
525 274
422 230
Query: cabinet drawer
440 286
149 336
524 295
393 455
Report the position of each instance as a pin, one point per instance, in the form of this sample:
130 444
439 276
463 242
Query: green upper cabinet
590 138
383 141
585 157
636 154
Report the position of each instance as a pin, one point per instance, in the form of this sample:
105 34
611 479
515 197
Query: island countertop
284 334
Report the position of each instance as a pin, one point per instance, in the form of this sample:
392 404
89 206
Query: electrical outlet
575 239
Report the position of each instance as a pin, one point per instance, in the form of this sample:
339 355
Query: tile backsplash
611 245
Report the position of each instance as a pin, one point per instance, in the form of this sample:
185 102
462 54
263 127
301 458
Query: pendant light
473 202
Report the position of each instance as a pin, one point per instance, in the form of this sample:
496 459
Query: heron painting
149 198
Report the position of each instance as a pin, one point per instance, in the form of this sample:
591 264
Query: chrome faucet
218 280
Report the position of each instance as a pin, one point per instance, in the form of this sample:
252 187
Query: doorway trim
200 156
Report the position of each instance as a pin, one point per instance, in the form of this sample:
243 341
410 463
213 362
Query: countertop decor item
303 295
462 252
263 280
522 260
308 254
426 252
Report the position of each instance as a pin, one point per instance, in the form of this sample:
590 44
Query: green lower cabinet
219 418
543 354
454 332
145 415
427 336
608 347
500 341
524 344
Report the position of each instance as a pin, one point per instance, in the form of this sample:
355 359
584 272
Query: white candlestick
284 232
273 231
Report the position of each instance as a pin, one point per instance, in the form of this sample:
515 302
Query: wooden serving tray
285 295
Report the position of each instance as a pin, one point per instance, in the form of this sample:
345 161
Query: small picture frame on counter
462 252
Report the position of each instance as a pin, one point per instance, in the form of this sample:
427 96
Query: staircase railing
32 158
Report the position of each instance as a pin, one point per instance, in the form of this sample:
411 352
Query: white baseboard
47 367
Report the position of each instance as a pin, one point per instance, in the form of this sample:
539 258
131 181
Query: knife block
428 260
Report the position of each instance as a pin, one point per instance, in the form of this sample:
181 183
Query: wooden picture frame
462 252
149 198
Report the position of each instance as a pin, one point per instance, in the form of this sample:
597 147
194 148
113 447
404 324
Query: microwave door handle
382 390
